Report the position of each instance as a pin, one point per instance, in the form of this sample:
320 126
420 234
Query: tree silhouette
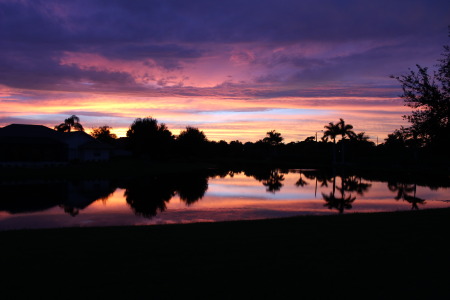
103 134
331 131
273 138
361 137
334 130
147 137
191 135
429 97
192 141
73 122
346 131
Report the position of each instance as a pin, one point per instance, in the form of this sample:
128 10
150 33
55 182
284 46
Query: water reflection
35 196
192 187
336 191
270 178
404 191
349 186
273 183
149 196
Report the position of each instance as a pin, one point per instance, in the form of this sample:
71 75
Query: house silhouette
38 143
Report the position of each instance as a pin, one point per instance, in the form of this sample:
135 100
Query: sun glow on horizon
219 118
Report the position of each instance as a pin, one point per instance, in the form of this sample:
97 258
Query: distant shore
142 167
376 255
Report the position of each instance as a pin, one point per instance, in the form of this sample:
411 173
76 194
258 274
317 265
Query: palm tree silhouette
331 131
345 130
273 138
73 122
334 130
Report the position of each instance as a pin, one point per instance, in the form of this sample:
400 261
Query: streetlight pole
316 134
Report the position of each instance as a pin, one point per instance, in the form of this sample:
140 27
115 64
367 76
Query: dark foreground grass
385 256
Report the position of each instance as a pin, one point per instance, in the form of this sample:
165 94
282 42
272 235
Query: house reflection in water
36 196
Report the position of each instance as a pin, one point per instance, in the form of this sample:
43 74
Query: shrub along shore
378 255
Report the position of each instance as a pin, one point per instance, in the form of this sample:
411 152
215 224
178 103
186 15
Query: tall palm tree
331 131
345 130
73 122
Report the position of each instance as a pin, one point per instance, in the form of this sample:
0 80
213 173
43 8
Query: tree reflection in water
404 191
270 178
335 202
192 187
349 184
273 183
35 196
82 193
149 196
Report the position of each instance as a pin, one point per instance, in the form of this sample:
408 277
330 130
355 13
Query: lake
213 195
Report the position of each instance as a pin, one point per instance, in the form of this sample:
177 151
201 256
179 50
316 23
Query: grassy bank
383 255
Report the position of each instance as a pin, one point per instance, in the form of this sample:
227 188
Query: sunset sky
234 69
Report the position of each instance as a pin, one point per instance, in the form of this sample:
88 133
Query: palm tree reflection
404 191
273 183
340 203
349 184
301 182
355 184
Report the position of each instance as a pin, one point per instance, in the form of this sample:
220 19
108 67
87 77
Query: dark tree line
340 144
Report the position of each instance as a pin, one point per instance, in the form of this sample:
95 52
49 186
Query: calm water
212 196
